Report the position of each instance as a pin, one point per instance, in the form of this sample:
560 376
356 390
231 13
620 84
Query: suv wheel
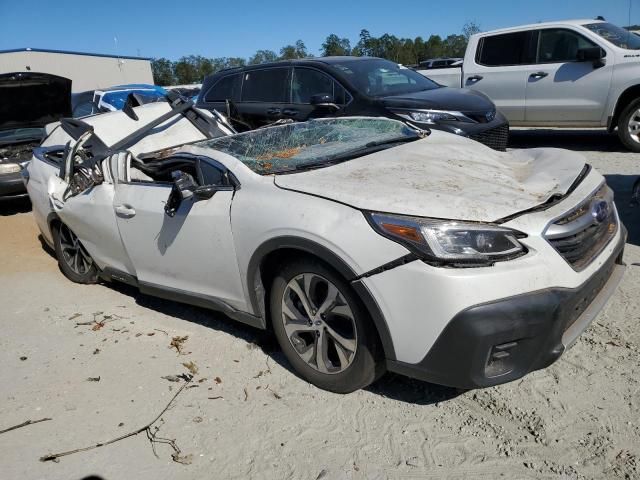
74 261
629 126
322 328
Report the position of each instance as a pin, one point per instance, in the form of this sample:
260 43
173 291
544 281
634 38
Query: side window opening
307 82
267 85
227 88
557 45
340 95
210 175
505 49
159 171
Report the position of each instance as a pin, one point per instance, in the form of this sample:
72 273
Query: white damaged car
365 244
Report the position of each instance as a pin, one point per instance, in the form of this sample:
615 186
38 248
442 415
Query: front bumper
12 186
501 341
494 134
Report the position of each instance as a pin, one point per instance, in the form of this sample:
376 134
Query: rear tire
74 261
323 329
629 126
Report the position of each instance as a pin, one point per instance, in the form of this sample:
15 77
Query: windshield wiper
389 141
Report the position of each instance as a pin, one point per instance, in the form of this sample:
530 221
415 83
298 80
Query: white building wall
87 72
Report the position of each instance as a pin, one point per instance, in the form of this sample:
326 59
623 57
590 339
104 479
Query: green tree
335 46
162 69
434 48
185 70
470 28
291 52
366 46
455 46
263 56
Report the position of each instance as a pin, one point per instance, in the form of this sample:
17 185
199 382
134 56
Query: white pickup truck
575 73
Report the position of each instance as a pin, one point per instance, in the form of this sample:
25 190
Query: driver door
562 90
189 253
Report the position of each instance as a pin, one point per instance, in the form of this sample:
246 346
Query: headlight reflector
452 242
9 168
432 116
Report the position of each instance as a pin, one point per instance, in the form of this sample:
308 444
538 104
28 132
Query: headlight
449 242
430 116
9 168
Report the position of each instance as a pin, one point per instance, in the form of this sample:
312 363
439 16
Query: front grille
581 234
495 138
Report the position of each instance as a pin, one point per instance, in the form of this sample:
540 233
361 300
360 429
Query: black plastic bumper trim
538 322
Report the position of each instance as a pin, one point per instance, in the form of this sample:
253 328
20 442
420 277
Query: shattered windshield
618 36
313 144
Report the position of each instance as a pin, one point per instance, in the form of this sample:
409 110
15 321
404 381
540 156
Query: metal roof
66 52
558 23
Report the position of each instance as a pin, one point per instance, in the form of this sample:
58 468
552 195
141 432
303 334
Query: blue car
114 98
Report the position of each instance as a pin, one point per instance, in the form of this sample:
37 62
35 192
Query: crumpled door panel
90 215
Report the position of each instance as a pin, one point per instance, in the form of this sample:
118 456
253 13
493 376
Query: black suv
338 86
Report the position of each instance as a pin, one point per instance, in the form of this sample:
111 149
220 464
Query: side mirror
183 188
323 100
205 192
592 54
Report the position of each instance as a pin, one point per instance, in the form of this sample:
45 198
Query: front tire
629 126
323 329
74 261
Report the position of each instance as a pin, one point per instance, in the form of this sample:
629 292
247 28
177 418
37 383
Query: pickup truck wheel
322 328
74 261
629 126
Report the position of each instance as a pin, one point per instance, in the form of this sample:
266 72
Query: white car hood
444 176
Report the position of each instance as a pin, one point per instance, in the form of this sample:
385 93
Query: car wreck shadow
13 206
579 140
409 390
255 338
393 386
46 247
622 185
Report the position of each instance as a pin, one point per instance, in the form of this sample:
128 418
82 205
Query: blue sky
231 28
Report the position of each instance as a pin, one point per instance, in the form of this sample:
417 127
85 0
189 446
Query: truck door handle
475 78
538 75
290 112
273 111
125 211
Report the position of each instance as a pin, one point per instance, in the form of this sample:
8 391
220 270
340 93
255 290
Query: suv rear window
227 88
506 49
268 85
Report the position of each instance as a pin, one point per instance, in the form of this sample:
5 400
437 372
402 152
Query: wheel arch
627 96
264 263
52 220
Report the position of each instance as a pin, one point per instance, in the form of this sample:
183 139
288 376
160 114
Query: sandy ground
248 416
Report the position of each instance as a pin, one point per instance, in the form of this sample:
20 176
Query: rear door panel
91 217
265 93
498 67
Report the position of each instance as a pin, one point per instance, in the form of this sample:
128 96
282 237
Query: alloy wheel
73 253
319 323
634 125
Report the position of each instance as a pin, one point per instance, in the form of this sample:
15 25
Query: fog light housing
500 361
